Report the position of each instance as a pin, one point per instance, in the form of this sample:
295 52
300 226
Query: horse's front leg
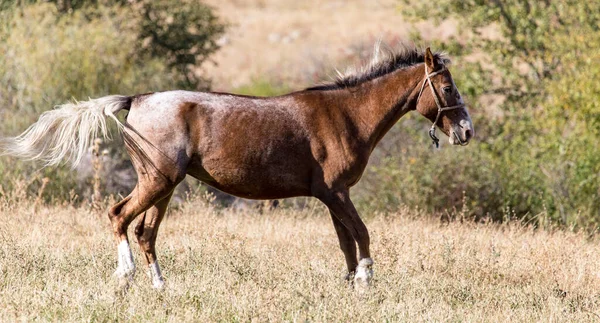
342 208
347 245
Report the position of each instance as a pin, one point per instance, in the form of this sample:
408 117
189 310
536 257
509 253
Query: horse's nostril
468 134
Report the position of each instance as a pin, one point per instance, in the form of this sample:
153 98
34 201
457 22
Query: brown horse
314 142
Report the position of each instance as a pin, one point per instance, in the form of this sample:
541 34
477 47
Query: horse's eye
447 90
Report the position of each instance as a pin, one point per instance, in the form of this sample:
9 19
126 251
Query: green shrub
262 87
535 154
91 50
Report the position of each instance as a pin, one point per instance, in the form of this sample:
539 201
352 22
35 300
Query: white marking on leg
156 276
126 266
364 273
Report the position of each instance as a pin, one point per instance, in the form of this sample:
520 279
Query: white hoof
158 285
126 266
363 274
157 279
123 273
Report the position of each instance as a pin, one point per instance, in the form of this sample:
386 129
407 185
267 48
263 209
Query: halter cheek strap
441 109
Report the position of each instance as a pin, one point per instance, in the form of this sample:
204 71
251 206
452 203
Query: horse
315 142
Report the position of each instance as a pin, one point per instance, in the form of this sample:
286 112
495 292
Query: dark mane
384 61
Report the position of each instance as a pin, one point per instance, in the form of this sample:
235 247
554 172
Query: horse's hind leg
146 232
145 195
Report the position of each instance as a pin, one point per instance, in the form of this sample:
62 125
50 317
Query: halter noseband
441 109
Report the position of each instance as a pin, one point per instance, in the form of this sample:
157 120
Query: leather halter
441 109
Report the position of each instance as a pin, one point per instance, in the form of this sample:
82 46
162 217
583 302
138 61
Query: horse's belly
268 181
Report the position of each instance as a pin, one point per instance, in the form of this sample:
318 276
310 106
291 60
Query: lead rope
434 138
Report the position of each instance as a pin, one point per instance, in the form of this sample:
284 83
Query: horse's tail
66 132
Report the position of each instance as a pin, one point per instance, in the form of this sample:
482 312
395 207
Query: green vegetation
51 53
535 154
262 87
528 69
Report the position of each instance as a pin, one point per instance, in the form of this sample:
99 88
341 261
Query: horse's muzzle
462 134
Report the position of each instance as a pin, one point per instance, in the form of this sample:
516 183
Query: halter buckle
433 137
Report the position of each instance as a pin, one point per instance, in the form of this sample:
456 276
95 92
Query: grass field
284 265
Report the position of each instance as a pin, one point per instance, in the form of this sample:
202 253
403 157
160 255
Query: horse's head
440 102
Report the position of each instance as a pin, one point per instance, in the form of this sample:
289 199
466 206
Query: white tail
66 133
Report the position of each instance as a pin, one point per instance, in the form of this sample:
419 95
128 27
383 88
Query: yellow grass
302 42
284 265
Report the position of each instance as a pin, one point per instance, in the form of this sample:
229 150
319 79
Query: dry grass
284 265
300 42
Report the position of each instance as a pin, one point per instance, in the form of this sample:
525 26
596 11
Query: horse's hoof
158 282
124 276
158 285
123 280
349 276
363 274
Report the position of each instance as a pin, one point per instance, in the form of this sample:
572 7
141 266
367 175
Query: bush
92 50
535 153
262 87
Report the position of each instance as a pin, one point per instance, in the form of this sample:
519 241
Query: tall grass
285 265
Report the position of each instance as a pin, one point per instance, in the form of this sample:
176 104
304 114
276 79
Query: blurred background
528 70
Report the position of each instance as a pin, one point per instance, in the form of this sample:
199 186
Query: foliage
262 87
89 50
535 151
183 33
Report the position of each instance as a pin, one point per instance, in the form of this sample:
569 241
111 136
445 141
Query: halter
441 109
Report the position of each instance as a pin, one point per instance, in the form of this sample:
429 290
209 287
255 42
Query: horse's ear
430 61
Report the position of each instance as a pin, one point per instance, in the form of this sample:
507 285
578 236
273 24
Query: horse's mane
383 61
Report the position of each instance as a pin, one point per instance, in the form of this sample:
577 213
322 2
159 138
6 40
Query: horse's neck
375 106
